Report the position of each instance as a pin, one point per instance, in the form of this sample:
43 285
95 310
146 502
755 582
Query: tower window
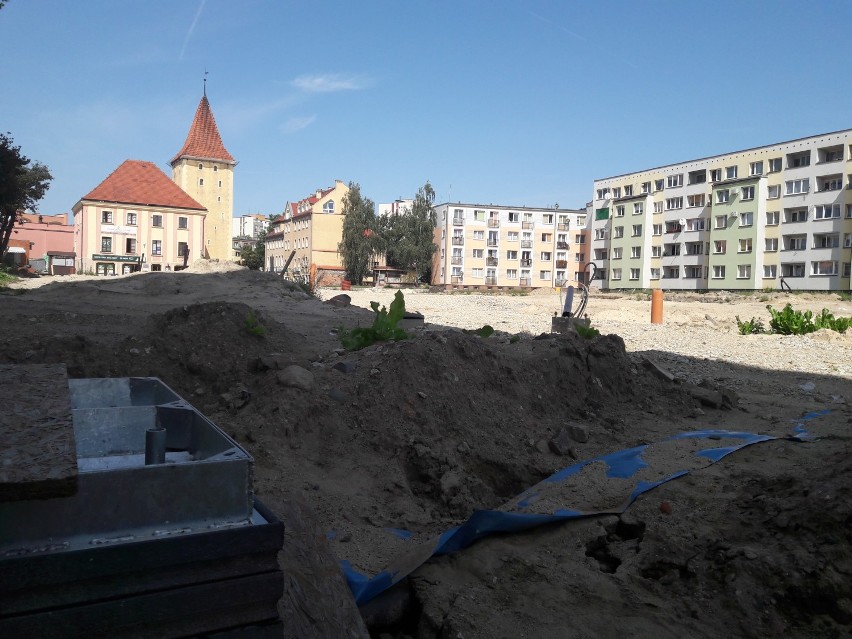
215 168
200 166
220 184
200 181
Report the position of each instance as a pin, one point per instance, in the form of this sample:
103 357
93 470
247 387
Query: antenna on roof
205 82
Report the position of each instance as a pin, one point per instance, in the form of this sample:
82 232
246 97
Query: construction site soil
417 435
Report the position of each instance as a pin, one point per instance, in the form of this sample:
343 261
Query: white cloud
297 124
192 28
328 83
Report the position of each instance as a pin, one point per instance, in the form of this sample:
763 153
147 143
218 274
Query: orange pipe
656 307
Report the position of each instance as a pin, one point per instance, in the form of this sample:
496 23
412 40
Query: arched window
328 207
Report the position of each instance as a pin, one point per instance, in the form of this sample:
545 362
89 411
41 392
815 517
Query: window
825 267
671 250
657 229
672 272
716 175
744 246
744 271
215 167
578 239
580 257
616 191
638 208
628 190
130 245
512 273
220 184
720 247
544 275
200 181
674 181
695 248
826 241
328 207
514 217
183 249
637 230
730 172
770 271
106 244
157 220
634 274
106 217
722 196
658 207
795 215
603 194
797 160
618 232
830 154
619 211
616 274
674 203
546 256
826 211
512 236
655 273
719 272
695 224
477 272
600 254
831 183
693 272
635 251
755 168
673 227
479 216
183 222
131 219
479 235
849 211
656 251
658 185
698 177
747 193
511 255
793 270
616 253
847 240
547 218
795 243
156 247
695 200
746 219
774 165
478 254
721 222
770 244
600 234
547 237
774 192
646 187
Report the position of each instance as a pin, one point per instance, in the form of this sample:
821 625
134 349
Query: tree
410 236
360 238
250 257
22 186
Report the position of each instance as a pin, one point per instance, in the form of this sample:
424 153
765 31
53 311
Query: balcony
563 227
526 243
525 281
491 281
561 263
526 263
490 261
493 222
526 225
491 242
456 261
458 221
562 246
456 279
458 241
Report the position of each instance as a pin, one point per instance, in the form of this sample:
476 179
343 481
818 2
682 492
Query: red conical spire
204 141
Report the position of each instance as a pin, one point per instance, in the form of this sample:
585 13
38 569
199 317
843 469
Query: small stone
345 367
296 377
750 554
134 351
337 395
200 391
665 508
578 433
560 443
374 372
541 446
340 301
421 394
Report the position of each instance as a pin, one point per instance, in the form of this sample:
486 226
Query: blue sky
515 103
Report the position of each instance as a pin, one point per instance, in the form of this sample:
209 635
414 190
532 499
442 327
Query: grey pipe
155 446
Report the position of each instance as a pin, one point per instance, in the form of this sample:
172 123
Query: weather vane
205 82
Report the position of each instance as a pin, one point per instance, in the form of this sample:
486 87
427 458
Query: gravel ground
695 326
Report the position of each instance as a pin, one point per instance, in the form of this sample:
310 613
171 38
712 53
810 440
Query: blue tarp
519 514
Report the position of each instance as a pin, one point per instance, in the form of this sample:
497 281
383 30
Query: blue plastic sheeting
622 464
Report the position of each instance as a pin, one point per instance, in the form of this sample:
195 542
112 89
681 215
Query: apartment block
493 245
745 220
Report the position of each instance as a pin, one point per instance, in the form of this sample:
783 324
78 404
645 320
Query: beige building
312 227
137 219
205 170
491 245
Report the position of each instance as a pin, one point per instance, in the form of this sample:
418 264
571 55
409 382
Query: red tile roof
204 140
136 182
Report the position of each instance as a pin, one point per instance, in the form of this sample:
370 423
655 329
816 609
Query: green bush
791 322
384 326
589 332
253 326
753 326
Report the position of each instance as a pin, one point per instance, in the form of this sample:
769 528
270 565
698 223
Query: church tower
204 169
